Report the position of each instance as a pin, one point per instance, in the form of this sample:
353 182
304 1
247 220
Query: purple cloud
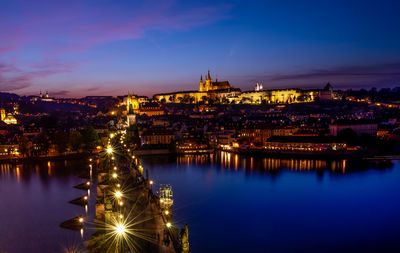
13 78
64 30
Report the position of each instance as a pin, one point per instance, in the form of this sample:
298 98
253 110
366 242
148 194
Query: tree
75 140
42 143
367 141
61 140
349 136
90 139
186 99
24 146
132 136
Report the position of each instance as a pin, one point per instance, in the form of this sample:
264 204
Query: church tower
201 85
208 85
3 113
132 105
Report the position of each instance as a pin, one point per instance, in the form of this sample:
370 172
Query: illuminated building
208 90
141 106
209 85
358 126
223 92
157 136
3 114
304 144
10 119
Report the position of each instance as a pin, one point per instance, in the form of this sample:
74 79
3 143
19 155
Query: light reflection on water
234 203
34 201
228 161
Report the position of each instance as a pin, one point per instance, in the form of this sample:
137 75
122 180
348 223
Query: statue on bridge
185 239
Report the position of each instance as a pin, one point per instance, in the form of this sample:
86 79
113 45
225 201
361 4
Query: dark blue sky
76 48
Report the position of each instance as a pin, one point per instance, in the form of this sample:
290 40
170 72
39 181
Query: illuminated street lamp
120 229
87 183
121 203
115 167
118 194
169 224
151 182
114 175
166 212
111 135
109 150
81 220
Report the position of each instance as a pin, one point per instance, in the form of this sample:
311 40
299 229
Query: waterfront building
304 144
157 136
358 126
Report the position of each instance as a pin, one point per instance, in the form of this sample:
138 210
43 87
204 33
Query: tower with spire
208 82
209 85
201 85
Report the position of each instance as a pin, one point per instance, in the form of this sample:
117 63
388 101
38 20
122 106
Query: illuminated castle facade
208 90
223 92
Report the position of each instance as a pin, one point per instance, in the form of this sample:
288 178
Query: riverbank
43 158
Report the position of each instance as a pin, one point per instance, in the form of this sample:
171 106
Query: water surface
231 203
236 204
34 201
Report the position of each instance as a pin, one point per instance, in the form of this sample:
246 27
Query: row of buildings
222 91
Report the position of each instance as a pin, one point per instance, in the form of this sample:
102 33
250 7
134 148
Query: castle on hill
222 91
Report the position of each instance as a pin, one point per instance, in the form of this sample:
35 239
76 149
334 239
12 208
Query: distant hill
8 96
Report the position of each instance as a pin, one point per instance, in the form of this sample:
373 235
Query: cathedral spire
208 75
201 77
216 78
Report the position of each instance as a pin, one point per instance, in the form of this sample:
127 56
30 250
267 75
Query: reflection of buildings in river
45 170
8 170
227 160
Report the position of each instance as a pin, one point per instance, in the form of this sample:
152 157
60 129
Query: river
231 203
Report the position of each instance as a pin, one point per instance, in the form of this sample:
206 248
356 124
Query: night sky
109 47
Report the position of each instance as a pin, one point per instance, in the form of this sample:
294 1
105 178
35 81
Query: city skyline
111 47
